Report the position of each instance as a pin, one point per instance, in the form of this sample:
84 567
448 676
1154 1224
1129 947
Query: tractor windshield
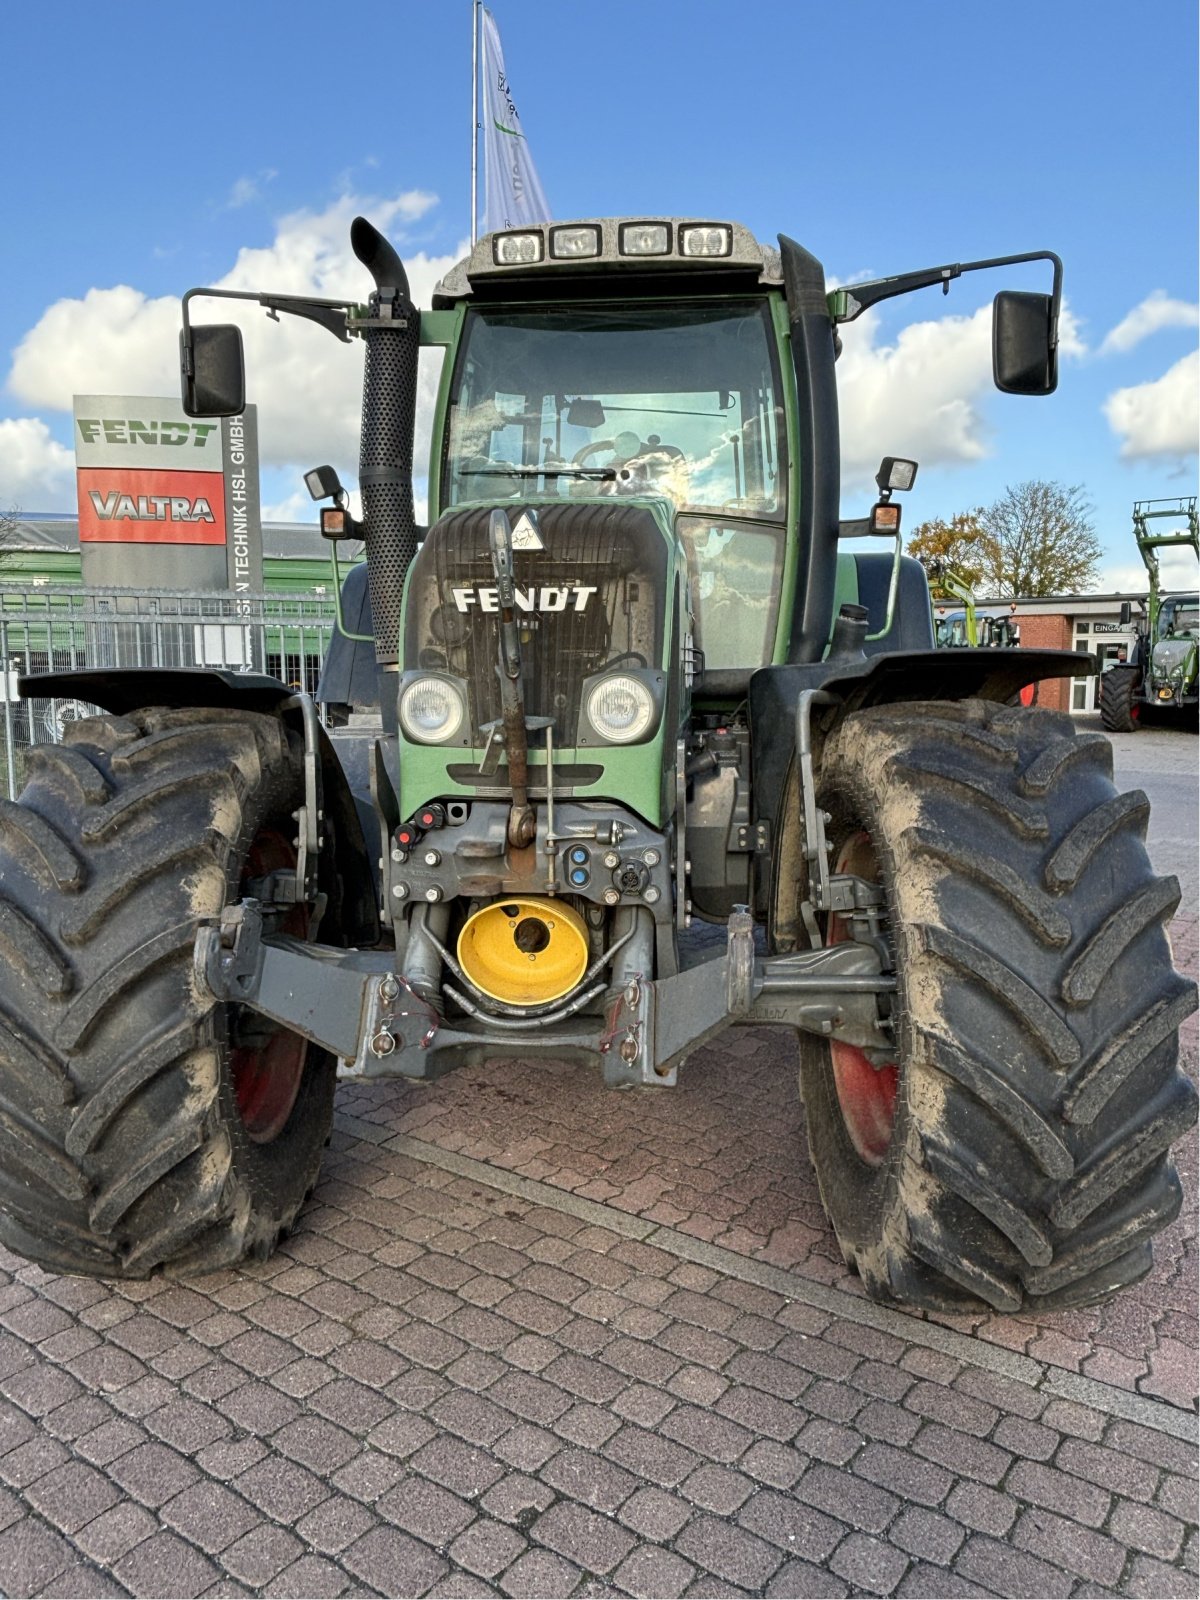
680 401
1178 617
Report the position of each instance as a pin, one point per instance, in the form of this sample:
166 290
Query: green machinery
1159 681
956 629
636 674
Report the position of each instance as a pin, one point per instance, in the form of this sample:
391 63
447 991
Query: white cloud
36 472
297 507
918 397
1156 311
308 387
1161 418
1177 570
1071 342
249 188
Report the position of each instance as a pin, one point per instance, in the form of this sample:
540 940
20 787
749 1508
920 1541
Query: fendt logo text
119 430
546 597
116 507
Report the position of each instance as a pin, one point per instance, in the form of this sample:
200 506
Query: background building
43 550
1089 622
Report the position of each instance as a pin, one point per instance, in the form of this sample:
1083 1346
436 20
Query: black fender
977 673
120 690
350 674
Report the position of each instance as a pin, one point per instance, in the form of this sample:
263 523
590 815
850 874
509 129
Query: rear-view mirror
213 370
1024 357
1126 613
585 414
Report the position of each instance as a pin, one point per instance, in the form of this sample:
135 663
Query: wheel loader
637 674
1159 683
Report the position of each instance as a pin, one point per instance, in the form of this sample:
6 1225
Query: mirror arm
850 302
330 314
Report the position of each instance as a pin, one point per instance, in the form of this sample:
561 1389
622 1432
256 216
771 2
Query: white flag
513 188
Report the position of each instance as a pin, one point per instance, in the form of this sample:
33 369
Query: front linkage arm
355 1003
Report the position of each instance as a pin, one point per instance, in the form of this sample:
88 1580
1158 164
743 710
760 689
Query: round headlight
620 709
431 710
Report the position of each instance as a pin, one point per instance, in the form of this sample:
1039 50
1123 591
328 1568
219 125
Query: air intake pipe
389 413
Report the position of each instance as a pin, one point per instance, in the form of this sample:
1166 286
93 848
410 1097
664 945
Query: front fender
979 674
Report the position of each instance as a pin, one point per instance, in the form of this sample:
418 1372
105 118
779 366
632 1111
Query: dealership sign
165 500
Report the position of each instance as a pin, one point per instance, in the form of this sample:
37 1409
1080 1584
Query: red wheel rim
866 1094
267 1073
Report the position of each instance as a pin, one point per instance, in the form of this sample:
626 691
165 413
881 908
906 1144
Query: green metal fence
59 629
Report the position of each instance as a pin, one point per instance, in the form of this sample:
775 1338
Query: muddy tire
142 1127
1120 711
1018 1153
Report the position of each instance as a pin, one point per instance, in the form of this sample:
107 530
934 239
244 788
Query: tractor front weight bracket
359 1007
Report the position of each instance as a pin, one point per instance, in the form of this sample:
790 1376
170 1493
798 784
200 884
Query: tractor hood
1171 657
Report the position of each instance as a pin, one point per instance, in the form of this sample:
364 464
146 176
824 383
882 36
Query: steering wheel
580 457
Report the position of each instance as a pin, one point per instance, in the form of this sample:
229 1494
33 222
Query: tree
1036 539
9 521
955 544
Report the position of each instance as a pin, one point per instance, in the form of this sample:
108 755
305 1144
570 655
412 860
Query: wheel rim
866 1094
268 1070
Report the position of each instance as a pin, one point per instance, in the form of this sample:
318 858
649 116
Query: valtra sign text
123 507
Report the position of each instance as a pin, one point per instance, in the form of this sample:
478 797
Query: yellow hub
524 951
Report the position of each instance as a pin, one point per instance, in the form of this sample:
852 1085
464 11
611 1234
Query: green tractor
636 675
1159 682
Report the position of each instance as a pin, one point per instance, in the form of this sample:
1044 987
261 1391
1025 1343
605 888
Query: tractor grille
593 597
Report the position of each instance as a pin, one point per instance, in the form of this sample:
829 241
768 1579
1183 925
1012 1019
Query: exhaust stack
389 412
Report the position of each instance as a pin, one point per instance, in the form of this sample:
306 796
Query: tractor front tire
1120 709
1014 1152
142 1126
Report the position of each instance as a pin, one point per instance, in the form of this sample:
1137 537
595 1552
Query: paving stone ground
532 1337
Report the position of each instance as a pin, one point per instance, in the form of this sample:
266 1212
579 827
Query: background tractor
635 674
1160 680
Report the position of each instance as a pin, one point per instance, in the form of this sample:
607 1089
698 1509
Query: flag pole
475 4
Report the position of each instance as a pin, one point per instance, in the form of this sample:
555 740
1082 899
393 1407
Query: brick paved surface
537 1338
449 1385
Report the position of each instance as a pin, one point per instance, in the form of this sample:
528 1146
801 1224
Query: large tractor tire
1120 709
143 1127
1014 1151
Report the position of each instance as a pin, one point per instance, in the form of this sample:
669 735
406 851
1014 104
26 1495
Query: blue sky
150 148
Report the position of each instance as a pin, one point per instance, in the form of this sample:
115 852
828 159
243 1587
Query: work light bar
611 244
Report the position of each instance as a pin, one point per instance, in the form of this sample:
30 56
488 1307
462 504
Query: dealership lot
534 1337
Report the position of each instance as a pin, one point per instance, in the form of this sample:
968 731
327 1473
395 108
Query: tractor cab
679 401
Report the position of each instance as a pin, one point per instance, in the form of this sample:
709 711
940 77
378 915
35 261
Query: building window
1082 627
1079 694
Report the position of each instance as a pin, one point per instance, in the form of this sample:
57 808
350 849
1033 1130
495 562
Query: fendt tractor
1159 683
634 675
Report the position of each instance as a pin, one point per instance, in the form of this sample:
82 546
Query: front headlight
620 708
431 710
